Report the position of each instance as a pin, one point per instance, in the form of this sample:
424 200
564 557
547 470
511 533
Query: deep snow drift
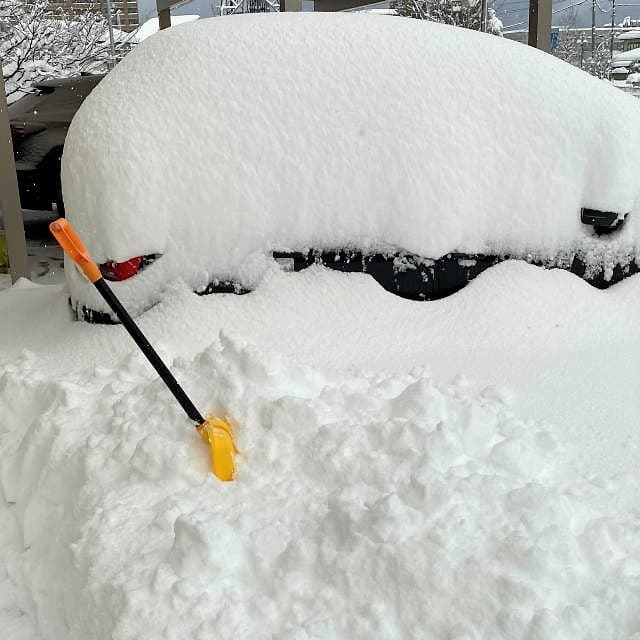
378 495
288 131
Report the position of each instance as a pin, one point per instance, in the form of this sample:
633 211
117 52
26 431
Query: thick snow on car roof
232 136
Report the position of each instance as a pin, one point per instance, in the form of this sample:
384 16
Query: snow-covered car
39 123
418 152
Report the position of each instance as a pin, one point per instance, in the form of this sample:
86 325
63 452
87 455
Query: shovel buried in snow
214 431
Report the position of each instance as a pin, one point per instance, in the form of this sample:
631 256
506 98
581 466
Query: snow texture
231 137
377 496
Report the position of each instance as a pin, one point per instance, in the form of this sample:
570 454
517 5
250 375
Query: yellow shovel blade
217 434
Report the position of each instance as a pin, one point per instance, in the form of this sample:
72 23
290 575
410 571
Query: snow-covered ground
459 469
45 261
465 468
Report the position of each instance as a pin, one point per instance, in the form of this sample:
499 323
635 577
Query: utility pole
613 24
593 28
540 24
10 197
112 48
483 15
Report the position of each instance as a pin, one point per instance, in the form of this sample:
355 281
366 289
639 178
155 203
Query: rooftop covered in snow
633 55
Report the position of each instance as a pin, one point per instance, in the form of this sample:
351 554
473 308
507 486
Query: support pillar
164 18
10 197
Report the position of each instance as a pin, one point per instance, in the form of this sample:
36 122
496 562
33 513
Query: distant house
603 34
627 59
125 12
629 22
625 68
630 56
628 40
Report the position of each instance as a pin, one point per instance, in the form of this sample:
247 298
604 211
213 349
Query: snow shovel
215 432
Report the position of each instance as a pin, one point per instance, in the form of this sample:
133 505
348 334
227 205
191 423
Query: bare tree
570 47
571 43
599 63
40 40
461 13
574 47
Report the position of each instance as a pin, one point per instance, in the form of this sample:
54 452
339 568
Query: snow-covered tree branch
461 13
575 48
494 24
39 40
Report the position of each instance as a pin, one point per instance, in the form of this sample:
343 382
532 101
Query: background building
125 13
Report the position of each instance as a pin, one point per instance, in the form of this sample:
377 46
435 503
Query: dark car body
39 123
403 273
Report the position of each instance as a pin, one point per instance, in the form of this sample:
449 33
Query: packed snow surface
458 469
230 137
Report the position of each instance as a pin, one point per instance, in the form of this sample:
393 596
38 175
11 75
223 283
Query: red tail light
116 271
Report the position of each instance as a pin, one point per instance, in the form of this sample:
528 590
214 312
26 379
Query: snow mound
366 505
231 137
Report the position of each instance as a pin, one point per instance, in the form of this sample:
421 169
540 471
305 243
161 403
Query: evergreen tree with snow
494 24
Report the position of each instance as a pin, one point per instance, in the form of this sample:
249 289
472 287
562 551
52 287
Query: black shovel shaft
149 351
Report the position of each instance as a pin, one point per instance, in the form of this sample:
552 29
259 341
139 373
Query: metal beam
540 24
164 18
10 197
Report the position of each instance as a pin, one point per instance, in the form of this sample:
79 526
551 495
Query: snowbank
391 500
365 506
287 131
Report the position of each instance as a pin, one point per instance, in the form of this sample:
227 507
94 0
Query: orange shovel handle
68 239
